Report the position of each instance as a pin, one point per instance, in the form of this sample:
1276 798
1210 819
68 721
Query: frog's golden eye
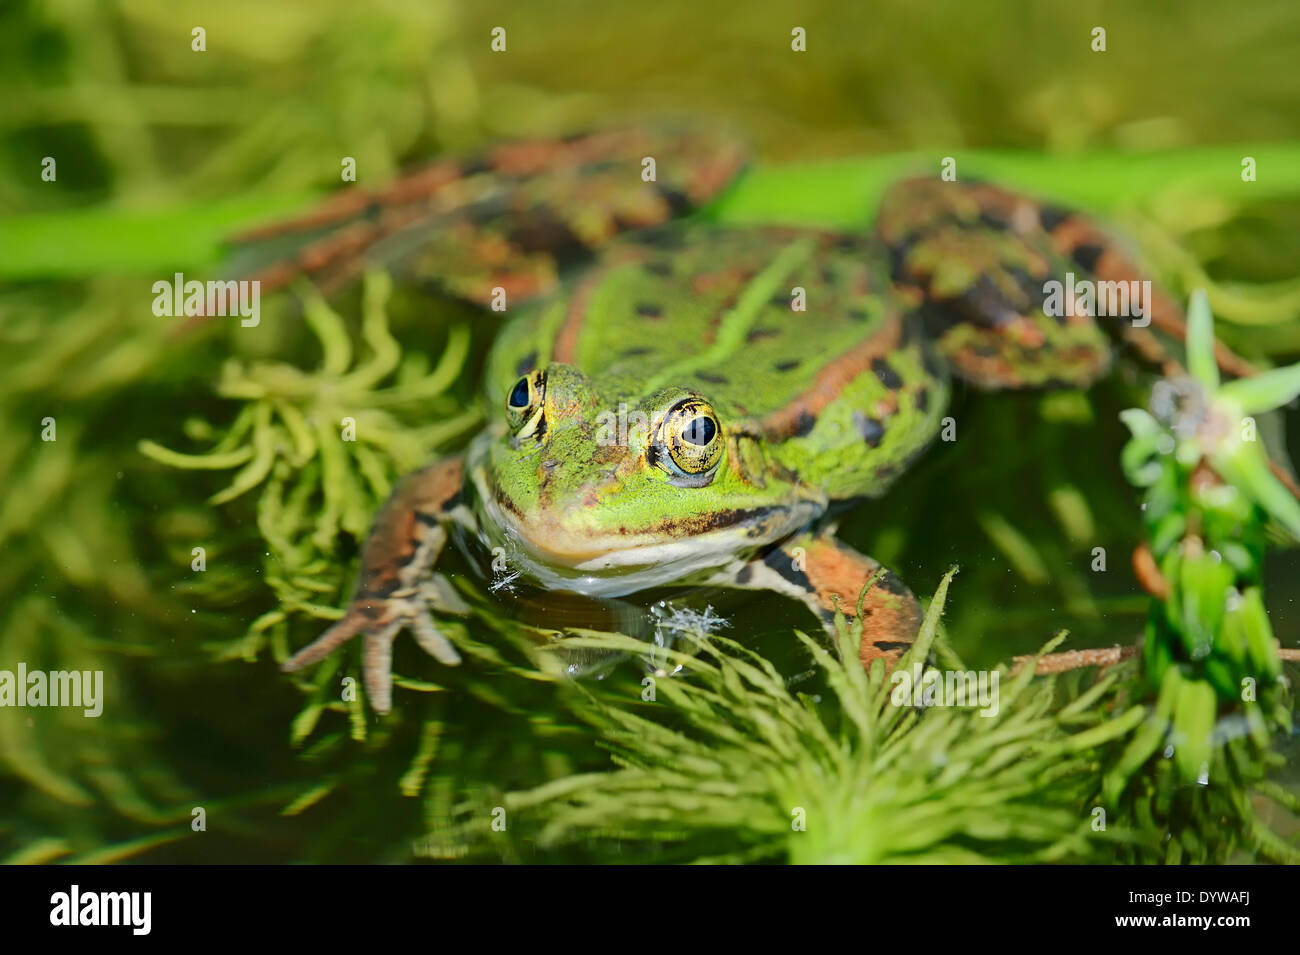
524 403
691 438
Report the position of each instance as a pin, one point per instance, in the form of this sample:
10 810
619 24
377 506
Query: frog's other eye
690 442
525 402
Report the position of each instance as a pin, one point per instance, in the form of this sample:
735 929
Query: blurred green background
162 150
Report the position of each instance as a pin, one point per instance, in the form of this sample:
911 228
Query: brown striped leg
395 589
825 573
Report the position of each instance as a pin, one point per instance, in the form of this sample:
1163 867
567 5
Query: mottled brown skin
890 617
511 217
973 258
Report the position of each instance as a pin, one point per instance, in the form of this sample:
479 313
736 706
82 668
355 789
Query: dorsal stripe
736 324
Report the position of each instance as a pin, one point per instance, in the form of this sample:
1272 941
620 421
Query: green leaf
1265 391
1200 342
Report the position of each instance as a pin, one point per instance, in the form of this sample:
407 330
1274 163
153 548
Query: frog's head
605 491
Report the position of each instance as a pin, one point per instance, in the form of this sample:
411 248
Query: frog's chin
615 571
609 566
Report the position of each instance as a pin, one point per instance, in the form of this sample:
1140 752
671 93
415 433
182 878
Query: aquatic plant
175 150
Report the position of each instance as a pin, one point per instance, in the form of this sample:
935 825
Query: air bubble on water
687 618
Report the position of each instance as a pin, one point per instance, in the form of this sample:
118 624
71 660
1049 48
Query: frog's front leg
825 573
405 540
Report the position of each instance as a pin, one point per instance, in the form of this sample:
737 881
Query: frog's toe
356 620
432 640
377 663
378 622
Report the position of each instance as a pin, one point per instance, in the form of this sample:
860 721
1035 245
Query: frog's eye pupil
700 431
688 443
519 395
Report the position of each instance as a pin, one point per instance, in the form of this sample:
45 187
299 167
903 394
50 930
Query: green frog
682 403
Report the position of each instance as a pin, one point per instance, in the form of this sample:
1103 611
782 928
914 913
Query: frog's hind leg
510 217
395 589
826 574
994 275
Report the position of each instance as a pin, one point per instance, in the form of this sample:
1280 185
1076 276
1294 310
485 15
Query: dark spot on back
888 377
712 378
986 304
898 257
659 268
1052 216
858 314
757 334
1087 256
546 233
678 201
646 310
788 365
805 424
635 352
526 364
872 431
781 301
922 400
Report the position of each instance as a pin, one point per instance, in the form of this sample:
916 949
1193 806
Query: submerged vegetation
725 761
229 440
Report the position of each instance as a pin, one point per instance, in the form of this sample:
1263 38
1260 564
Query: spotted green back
840 392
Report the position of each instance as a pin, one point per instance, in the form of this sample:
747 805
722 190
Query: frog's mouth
611 565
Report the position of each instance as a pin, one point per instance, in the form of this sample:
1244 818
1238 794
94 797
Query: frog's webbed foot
396 589
826 575
378 621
